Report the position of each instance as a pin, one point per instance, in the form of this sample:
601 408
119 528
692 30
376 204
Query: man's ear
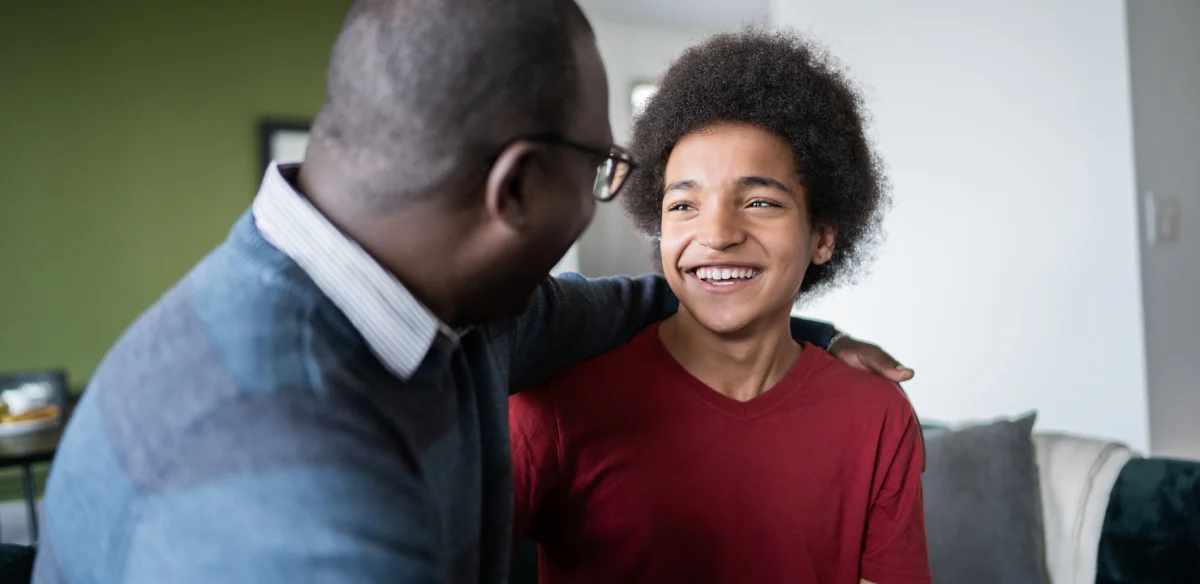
505 193
824 239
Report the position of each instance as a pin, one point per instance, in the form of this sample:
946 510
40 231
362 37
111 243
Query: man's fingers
899 374
868 357
885 365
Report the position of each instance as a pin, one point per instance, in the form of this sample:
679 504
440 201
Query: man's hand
868 357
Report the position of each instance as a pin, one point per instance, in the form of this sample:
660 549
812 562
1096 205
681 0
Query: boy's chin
729 323
737 320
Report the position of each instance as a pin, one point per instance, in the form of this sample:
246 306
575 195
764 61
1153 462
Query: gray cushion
983 512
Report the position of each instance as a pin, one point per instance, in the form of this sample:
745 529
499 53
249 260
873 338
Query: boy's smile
724 277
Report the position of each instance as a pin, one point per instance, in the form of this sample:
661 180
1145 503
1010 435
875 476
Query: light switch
1162 219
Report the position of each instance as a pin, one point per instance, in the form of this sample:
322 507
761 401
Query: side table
24 451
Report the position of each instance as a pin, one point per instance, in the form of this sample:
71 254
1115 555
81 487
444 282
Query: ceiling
684 14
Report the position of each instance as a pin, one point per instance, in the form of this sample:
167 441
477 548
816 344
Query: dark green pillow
1152 527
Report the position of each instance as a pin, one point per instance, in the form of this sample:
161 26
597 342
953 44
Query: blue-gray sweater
242 431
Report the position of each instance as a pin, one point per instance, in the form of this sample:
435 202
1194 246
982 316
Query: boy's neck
741 366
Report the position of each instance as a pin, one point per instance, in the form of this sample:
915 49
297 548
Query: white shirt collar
395 325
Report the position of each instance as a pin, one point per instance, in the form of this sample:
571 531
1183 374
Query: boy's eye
679 207
761 203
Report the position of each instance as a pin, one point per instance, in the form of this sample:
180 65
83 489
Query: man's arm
292 489
333 523
572 319
821 334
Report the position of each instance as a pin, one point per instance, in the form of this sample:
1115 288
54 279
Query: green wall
128 146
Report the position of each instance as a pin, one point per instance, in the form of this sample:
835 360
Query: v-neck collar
762 404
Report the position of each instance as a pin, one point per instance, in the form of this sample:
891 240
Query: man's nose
721 228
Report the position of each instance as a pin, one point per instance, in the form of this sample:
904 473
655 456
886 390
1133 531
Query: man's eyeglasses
610 175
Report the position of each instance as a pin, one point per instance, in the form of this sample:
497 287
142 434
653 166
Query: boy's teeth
719 274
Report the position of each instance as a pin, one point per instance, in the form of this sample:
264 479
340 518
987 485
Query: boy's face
736 238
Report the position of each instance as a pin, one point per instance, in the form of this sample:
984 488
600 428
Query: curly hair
782 83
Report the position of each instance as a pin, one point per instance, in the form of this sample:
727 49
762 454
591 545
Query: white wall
1164 52
631 54
1010 278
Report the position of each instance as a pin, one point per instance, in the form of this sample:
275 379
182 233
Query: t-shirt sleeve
895 551
533 428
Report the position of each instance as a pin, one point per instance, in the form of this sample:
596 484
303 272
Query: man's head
756 177
439 145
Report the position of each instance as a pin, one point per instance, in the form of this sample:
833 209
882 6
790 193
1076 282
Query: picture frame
282 139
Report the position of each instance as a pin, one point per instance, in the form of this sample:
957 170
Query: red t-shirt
628 469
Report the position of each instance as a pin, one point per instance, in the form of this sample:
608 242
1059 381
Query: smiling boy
713 447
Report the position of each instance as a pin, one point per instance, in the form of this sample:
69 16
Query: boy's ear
824 239
505 196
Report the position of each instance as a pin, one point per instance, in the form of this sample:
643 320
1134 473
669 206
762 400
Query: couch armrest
1076 476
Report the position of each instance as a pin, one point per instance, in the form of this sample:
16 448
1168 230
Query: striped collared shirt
396 326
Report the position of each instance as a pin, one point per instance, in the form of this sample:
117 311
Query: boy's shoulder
838 382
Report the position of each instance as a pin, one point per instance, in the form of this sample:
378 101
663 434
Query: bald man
323 398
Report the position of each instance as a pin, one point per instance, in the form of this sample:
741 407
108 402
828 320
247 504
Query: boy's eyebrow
680 185
745 181
762 181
